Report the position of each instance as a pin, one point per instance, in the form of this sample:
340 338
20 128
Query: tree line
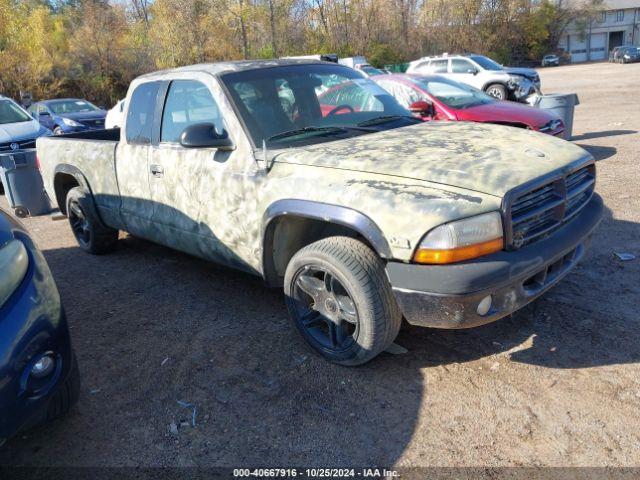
94 48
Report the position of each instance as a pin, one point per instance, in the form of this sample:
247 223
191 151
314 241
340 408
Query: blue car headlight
70 123
14 263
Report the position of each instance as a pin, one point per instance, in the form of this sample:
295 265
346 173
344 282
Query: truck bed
93 154
110 135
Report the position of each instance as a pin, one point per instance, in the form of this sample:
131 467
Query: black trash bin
23 184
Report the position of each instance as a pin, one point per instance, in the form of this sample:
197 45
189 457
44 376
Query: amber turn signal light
424 255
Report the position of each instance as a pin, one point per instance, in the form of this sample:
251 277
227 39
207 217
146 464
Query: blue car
68 115
39 377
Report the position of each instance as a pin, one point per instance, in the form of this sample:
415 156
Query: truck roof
220 68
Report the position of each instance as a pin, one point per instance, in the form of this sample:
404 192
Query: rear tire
497 91
340 300
92 236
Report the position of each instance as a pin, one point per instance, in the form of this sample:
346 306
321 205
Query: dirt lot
557 384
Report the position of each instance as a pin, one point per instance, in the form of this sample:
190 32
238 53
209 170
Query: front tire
92 236
340 300
497 91
67 395
58 131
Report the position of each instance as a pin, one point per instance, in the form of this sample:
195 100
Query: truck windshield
60 107
298 104
12 113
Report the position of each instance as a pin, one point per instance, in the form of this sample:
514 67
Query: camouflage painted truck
312 177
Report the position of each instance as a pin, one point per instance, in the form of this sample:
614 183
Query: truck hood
485 158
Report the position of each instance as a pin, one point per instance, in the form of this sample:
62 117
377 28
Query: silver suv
482 73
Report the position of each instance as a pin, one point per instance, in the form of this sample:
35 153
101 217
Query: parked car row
624 54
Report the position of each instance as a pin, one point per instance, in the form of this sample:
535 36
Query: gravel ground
557 384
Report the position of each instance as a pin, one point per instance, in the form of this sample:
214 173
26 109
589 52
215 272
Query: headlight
461 240
70 123
516 79
14 262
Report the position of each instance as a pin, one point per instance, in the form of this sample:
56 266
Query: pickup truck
362 213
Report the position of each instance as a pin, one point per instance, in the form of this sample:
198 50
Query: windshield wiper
310 129
385 119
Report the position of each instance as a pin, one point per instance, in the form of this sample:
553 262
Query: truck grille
534 214
22 145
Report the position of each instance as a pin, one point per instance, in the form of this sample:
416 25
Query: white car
360 63
114 115
550 61
482 73
18 129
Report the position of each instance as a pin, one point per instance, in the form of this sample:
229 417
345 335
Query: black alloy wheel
325 310
79 223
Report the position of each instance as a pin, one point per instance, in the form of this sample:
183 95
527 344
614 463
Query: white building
617 24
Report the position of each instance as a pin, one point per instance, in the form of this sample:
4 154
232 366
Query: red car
437 98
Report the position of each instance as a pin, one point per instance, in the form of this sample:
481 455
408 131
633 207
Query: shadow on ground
600 152
153 327
606 133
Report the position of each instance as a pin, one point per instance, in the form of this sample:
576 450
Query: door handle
157 170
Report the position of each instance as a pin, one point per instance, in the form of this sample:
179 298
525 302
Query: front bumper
447 296
32 322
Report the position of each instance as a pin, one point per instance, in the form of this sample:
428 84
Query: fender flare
76 173
325 212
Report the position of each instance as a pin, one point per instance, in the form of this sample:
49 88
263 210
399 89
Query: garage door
578 49
598 46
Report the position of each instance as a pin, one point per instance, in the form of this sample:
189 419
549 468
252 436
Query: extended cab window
188 102
140 115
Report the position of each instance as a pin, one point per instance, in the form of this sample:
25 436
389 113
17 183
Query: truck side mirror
422 108
205 135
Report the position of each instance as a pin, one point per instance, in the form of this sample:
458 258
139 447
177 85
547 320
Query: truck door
132 159
191 187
